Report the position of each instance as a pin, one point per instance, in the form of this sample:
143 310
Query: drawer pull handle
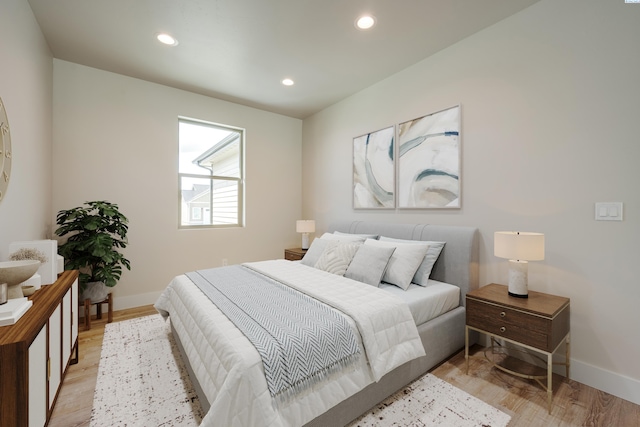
502 314
502 329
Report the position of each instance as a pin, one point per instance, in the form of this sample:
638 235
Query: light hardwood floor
574 404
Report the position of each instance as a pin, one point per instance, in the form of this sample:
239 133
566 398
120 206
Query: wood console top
46 299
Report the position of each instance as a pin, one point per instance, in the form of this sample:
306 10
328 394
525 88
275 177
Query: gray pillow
318 246
424 271
369 264
404 263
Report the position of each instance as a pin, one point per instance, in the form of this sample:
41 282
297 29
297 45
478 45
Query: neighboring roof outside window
217 155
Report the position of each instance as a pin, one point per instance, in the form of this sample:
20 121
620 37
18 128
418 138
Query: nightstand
294 254
539 323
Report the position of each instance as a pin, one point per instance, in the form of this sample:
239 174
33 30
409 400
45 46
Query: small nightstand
539 323
294 254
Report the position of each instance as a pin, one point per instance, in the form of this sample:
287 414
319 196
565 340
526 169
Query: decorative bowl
15 272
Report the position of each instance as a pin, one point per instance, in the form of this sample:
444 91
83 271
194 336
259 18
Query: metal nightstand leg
568 354
549 379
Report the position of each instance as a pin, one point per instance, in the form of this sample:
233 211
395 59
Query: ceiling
240 50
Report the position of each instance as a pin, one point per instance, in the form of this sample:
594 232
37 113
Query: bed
217 353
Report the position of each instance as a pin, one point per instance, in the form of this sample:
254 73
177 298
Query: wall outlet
224 262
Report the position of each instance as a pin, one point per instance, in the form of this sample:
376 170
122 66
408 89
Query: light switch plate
609 211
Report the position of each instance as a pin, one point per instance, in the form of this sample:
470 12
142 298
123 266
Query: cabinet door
55 353
38 380
66 329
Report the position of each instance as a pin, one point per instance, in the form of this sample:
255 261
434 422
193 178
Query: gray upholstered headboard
458 262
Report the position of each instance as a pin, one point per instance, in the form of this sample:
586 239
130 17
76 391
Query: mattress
427 302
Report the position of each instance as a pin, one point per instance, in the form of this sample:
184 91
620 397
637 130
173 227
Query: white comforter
230 370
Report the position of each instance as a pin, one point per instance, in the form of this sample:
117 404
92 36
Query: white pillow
335 259
424 271
403 263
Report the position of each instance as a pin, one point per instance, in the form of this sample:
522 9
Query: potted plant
96 231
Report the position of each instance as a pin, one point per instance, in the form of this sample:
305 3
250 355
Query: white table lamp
305 226
519 248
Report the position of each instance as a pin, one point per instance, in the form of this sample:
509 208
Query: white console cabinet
35 353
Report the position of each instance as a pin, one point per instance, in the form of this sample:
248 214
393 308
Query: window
211 174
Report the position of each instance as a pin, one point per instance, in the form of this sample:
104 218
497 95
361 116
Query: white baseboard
613 383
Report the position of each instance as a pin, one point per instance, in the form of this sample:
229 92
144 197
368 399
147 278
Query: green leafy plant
96 231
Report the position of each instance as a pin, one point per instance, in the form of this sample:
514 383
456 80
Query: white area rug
143 382
430 401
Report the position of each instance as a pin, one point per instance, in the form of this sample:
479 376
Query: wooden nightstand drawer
523 327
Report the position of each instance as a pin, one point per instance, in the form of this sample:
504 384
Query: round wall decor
5 151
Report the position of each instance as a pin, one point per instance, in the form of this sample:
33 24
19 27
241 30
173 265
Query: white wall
26 90
116 139
550 125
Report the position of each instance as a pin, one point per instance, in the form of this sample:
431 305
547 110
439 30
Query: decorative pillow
403 263
335 259
362 236
316 249
369 264
424 271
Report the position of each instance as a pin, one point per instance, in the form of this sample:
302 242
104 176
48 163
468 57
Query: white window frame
239 180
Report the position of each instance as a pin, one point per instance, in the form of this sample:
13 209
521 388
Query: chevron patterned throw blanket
299 339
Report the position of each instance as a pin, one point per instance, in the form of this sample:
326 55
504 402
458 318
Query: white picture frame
48 270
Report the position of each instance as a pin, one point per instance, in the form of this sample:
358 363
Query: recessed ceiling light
287 82
166 39
365 22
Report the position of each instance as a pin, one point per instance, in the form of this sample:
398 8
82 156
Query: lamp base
305 240
518 280
518 295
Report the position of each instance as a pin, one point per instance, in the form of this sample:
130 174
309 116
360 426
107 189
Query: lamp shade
518 245
305 226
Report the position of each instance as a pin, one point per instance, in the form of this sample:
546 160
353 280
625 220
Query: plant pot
95 291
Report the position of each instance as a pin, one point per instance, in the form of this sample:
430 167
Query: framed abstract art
429 161
374 170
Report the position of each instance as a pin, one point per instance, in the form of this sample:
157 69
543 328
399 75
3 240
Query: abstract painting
374 170
429 161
